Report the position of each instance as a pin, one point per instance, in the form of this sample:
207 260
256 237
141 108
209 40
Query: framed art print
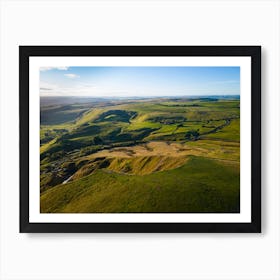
140 138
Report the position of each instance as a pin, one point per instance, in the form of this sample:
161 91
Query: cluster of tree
168 120
97 140
51 156
192 134
89 150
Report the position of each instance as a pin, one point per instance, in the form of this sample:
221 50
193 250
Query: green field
150 155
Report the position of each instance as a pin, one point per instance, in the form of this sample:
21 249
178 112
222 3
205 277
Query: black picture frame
25 52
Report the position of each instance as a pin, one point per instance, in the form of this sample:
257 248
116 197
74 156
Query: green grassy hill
200 185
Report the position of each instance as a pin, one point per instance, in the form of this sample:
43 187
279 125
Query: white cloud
72 76
225 82
63 68
47 87
79 89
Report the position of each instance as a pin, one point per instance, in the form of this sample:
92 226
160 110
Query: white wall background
139 256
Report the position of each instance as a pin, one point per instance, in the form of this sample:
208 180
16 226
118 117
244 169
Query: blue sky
139 81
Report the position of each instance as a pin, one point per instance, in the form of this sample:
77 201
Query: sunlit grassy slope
200 185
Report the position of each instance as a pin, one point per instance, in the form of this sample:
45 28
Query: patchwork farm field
157 155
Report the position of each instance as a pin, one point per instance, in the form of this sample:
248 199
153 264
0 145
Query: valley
149 155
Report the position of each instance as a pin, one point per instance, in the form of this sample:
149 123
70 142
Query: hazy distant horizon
55 100
139 82
139 96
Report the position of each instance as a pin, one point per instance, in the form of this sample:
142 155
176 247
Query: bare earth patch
172 149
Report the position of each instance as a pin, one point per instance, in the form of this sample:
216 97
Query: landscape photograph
140 139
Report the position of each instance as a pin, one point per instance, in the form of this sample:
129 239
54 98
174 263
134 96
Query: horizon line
137 96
